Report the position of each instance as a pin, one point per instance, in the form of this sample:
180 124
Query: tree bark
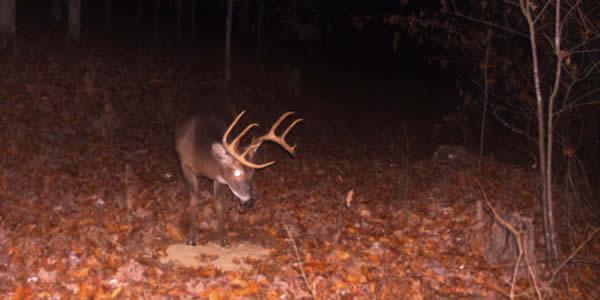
228 43
486 66
591 142
193 17
57 10
259 20
179 13
74 30
550 128
245 17
107 14
544 136
8 27
138 13
156 7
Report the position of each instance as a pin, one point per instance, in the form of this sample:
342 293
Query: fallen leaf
174 233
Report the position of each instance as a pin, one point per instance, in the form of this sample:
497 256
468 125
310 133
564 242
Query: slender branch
572 107
570 257
526 10
571 9
585 51
312 290
485 94
567 94
550 126
542 11
488 23
582 44
511 127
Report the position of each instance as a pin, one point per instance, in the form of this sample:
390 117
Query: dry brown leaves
75 224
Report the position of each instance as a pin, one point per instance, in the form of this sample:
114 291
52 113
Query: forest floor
91 200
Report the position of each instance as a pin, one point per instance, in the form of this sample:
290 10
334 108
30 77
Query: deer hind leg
191 183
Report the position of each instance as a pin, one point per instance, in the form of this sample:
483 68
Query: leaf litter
331 224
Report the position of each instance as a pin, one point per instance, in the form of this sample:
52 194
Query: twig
485 96
572 255
519 246
300 265
406 178
128 201
489 23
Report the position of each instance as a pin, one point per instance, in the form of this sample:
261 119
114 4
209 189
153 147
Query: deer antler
256 142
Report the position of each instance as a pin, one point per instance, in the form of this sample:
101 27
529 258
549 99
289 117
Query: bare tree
545 114
179 13
57 10
156 10
138 13
107 14
74 30
540 75
259 22
245 6
228 24
193 18
8 27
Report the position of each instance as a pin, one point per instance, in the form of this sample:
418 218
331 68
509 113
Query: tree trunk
107 14
193 17
550 130
179 12
228 43
592 148
138 13
545 128
245 17
259 20
156 7
74 30
57 10
8 27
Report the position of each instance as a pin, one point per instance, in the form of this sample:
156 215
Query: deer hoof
224 242
191 241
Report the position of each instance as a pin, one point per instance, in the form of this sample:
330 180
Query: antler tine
231 148
288 130
250 147
280 140
278 122
228 131
269 136
252 165
234 143
237 139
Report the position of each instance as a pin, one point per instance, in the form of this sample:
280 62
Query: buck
203 147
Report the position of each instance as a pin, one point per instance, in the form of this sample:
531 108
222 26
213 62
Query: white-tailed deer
201 142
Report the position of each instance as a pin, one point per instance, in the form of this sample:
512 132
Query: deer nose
248 204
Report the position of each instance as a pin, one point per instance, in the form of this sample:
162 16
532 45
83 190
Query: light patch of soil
226 259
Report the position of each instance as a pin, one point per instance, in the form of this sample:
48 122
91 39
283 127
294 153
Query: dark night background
386 198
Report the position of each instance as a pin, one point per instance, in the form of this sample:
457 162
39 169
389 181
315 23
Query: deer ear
220 154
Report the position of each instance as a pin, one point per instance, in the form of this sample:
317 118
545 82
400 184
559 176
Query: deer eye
237 173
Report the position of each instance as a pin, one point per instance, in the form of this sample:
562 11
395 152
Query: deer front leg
218 197
191 183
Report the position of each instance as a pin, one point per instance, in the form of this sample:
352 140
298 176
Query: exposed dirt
91 201
231 258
